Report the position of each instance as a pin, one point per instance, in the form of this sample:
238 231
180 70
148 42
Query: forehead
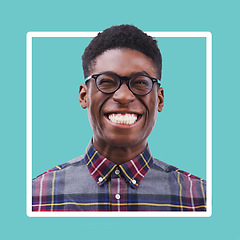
124 62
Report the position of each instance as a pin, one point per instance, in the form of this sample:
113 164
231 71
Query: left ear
160 99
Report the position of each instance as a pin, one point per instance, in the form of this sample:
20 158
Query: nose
123 95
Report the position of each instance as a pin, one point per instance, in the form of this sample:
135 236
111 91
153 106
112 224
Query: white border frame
208 213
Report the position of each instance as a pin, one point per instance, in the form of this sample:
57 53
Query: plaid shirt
93 183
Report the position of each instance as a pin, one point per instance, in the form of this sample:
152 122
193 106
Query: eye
141 82
106 81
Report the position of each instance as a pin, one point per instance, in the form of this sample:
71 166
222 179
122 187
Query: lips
123 118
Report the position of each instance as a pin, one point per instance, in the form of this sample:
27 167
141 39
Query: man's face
121 119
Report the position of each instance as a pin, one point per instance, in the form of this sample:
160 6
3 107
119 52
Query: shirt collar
133 171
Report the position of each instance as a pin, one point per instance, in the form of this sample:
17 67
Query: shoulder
176 173
178 182
78 161
58 182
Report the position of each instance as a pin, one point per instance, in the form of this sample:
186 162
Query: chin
124 141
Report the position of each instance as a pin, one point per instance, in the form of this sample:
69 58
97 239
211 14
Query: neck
119 155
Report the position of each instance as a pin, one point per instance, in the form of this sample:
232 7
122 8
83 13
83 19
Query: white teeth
127 118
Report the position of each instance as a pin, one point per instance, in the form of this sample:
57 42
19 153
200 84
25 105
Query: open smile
123 119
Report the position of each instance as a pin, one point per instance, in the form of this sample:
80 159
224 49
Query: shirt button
117 196
134 181
100 179
117 172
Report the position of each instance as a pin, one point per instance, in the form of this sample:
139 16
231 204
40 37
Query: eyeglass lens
138 84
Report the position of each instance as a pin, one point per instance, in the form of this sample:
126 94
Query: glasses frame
123 78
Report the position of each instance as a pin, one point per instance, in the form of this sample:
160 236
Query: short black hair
122 36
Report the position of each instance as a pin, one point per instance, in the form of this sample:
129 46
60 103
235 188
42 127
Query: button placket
118 188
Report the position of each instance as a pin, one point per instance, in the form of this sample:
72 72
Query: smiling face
121 120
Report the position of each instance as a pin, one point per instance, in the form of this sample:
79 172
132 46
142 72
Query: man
122 94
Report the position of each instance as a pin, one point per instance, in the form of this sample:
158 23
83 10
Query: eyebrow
131 74
142 72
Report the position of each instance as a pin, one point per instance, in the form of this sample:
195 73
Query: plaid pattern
93 183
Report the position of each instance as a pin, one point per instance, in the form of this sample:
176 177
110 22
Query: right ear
83 96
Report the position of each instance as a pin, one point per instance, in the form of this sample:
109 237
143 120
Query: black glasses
138 84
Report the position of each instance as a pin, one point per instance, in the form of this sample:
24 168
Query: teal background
19 17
